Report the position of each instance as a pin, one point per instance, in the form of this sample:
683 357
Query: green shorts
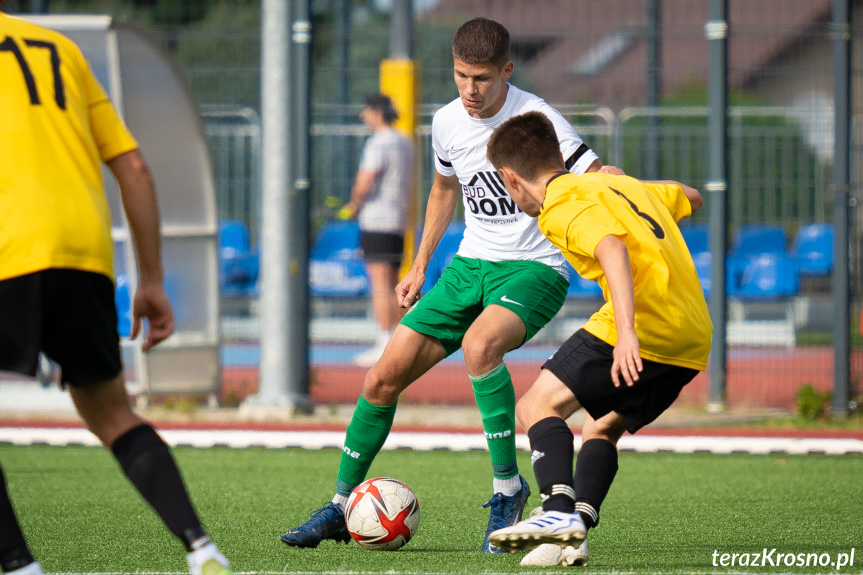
531 290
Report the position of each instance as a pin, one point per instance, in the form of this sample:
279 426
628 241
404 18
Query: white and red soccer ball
382 514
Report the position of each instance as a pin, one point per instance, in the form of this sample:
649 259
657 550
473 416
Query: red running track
757 377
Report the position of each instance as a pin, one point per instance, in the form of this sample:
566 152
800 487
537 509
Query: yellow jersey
56 127
671 316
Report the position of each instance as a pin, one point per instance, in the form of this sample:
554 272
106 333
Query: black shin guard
551 456
14 552
595 469
147 462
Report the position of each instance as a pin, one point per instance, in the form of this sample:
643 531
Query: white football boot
550 527
549 554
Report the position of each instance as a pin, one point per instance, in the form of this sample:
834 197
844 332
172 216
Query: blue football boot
505 511
328 522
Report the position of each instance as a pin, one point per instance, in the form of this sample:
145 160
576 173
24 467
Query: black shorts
584 363
69 315
382 247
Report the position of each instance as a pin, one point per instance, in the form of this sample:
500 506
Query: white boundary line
427 441
394 572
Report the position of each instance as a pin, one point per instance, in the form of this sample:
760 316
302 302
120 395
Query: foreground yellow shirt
671 316
56 127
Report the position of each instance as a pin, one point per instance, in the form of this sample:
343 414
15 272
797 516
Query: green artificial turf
666 513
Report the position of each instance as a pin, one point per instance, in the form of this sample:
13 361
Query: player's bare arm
610 170
595 166
693 195
138 193
443 197
613 257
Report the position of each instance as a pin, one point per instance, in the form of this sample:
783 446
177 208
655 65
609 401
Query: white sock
32 569
508 487
340 500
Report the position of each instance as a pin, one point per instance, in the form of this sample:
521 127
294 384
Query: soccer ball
382 514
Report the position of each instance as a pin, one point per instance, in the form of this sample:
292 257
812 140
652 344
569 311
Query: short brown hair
526 144
481 41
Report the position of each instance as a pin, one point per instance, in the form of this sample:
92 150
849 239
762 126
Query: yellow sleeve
589 227
109 132
673 197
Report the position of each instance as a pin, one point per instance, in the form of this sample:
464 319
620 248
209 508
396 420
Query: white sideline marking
427 441
393 572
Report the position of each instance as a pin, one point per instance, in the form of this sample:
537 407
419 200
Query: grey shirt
389 155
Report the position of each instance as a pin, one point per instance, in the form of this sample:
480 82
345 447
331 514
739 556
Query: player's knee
523 413
528 411
609 429
109 424
379 389
480 354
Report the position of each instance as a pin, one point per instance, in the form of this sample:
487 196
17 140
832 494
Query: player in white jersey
506 282
496 230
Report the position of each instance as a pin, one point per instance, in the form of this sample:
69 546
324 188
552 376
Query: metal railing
776 174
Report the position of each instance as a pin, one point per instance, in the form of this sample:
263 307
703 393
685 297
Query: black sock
595 469
551 456
14 552
148 464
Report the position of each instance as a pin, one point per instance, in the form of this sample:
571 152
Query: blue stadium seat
123 302
443 254
697 240
751 242
580 287
238 265
695 236
703 261
812 249
336 267
234 235
758 239
769 276
337 240
338 278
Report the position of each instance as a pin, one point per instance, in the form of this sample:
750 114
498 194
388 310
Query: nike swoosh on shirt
507 300
456 150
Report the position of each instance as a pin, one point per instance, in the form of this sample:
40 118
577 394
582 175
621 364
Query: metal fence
595 51
234 138
775 176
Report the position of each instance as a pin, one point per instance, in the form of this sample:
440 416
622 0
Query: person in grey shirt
379 200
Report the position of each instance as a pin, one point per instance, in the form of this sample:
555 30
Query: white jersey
496 229
388 155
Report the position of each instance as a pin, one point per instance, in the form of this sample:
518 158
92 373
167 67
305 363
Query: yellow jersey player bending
629 362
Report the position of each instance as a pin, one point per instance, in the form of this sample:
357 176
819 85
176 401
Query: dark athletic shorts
69 315
584 363
381 247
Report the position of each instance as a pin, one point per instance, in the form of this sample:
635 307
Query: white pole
276 186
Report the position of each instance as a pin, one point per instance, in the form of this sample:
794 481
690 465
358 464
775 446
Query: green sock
495 398
364 438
